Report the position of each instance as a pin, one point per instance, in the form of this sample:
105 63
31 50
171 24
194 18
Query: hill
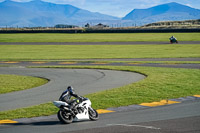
40 13
166 12
175 24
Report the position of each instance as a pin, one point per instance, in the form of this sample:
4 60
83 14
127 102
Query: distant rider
173 39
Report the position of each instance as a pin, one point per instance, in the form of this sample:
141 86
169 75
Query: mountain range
166 12
39 13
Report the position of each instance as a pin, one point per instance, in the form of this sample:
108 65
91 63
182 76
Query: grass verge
143 62
10 83
161 83
97 37
61 52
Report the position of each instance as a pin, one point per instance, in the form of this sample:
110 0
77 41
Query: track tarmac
84 81
97 43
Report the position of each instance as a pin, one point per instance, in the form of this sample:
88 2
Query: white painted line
126 125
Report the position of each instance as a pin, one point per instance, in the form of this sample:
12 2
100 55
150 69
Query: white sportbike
78 110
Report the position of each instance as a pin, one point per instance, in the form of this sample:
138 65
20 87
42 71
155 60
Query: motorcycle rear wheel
64 117
93 114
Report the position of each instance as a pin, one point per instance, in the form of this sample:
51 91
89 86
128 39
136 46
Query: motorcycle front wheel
93 114
65 117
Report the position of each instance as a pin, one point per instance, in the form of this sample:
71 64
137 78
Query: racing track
173 118
97 43
84 81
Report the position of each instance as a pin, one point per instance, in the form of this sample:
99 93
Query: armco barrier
100 31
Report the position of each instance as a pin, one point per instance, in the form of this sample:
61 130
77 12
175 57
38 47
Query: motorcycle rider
66 96
173 39
76 109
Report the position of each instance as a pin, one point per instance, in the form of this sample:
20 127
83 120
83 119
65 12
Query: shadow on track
41 123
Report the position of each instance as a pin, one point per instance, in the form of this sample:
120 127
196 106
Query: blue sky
118 8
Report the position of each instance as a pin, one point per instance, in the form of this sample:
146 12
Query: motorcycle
173 40
78 110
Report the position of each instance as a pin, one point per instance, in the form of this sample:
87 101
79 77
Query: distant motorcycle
81 110
173 40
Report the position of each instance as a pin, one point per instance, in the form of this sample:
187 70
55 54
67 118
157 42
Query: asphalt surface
92 62
182 117
139 59
96 43
84 81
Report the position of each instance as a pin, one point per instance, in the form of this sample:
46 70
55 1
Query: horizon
117 8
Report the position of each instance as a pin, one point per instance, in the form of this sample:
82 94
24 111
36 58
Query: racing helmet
70 88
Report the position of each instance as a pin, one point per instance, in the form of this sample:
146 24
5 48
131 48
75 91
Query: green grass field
61 52
10 83
97 37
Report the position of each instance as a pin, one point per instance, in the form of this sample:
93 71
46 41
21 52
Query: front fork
91 110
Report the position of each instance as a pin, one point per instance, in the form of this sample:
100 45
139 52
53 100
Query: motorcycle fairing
60 103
